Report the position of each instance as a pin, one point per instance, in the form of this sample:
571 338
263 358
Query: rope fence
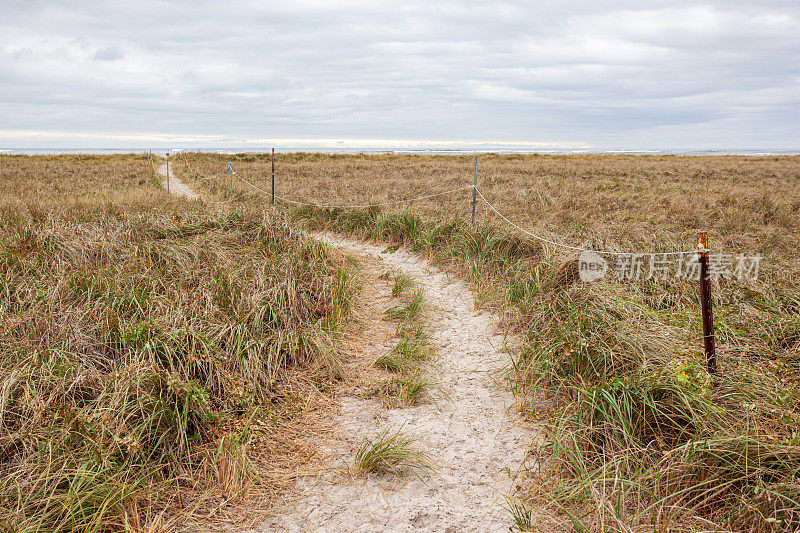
567 246
473 187
457 189
383 204
700 255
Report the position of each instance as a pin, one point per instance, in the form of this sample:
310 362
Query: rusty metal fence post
706 305
273 176
474 190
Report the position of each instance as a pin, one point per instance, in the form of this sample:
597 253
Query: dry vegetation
161 364
149 343
640 436
639 203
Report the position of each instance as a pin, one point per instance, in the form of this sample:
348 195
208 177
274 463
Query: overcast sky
597 75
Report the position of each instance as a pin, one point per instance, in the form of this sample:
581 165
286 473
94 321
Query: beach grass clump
402 281
413 350
411 308
406 359
409 388
392 362
522 516
390 452
414 331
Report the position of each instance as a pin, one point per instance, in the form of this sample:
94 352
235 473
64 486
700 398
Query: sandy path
176 186
478 442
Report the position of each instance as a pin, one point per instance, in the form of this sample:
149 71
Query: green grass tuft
390 452
408 389
401 283
392 362
412 309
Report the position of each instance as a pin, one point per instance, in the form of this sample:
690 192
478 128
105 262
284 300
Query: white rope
215 176
250 184
200 176
355 206
538 237
211 178
554 243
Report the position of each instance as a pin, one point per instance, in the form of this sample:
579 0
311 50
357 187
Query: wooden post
185 163
705 304
167 154
273 176
474 190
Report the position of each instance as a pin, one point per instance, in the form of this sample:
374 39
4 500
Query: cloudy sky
582 74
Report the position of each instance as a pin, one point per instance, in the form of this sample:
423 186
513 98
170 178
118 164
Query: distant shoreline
397 151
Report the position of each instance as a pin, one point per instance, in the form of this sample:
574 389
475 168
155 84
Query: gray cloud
108 53
609 75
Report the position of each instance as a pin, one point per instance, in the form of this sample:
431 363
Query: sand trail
478 442
176 186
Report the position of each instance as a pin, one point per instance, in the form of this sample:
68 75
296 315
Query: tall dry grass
160 361
640 437
747 204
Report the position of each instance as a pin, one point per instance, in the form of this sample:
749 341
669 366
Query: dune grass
393 362
154 354
638 433
407 357
410 387
639 437
402 282
411 308
748 204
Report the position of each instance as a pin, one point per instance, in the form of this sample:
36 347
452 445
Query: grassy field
639 436
162 362
638 203
150 343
